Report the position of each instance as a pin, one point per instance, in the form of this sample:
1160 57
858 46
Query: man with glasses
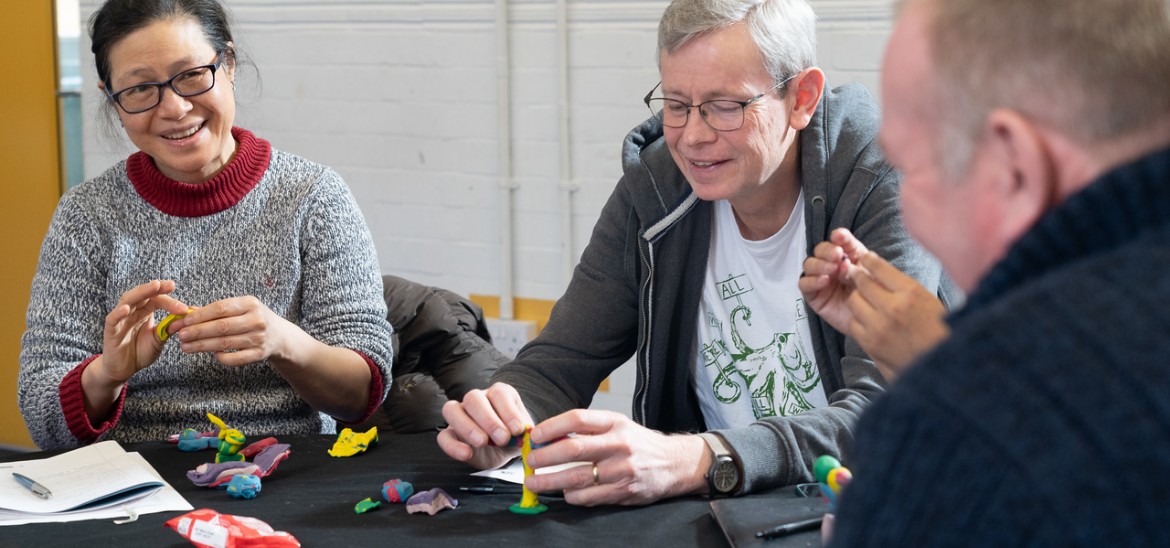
693 268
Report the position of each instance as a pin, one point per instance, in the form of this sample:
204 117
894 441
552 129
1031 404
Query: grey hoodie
636 292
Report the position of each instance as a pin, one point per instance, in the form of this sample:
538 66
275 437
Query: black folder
741 518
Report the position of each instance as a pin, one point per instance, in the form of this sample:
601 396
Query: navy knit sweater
1045 419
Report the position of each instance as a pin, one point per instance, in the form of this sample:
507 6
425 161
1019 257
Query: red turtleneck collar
224 190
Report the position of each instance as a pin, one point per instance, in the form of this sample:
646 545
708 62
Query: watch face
726 476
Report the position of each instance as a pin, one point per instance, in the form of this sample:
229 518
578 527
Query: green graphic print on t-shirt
756 370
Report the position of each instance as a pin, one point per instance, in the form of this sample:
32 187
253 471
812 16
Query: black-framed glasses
720 114
145 96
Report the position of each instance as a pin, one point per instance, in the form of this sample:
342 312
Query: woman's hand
129 344
242 330
239 331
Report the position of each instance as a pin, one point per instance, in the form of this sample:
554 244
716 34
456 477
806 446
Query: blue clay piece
244 486
397 490
191 440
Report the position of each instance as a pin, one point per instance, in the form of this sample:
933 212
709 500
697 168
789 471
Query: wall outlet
510 335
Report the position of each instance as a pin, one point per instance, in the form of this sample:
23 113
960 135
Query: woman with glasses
260 261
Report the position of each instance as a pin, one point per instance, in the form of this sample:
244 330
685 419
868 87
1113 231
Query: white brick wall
399 97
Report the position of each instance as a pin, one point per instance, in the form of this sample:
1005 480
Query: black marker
789 528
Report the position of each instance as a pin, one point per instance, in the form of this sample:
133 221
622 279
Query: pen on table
502 489
789 528
32 485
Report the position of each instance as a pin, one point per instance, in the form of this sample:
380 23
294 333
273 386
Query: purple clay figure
431 502
270 457
216 474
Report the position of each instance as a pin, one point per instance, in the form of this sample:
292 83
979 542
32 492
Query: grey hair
785 31
1090 69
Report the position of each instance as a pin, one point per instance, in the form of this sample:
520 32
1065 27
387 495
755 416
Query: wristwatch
724 477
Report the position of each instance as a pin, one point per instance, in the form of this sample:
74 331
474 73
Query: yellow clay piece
350 443
160 330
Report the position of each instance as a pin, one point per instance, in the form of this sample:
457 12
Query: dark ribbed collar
1118 208
224 190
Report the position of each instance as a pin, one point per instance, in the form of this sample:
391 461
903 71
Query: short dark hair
118 18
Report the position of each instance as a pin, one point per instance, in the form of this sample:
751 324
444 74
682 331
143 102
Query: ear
230 52
804 94
1025 179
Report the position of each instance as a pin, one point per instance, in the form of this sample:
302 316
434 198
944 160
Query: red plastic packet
207 528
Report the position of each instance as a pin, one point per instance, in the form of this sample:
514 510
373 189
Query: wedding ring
596 477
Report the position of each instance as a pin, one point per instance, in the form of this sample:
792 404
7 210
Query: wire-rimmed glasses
720 114
145 96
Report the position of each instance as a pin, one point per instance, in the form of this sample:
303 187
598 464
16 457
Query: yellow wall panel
30 183
533 310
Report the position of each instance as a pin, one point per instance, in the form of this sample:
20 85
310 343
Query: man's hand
827 282
634 465
892 316
480 427
895 319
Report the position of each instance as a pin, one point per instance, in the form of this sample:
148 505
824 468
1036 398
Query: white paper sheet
79 477
513 470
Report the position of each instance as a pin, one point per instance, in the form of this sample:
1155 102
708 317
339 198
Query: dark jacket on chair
442 350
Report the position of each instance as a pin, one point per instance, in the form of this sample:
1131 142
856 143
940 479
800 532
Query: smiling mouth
699 164
183 134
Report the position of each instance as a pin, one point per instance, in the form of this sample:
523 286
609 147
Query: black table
311 495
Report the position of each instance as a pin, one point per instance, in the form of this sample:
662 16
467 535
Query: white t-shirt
754 358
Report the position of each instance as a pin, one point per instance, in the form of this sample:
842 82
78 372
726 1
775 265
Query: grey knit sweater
271 225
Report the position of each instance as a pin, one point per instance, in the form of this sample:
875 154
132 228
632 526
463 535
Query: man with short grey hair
692 269
1034 137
